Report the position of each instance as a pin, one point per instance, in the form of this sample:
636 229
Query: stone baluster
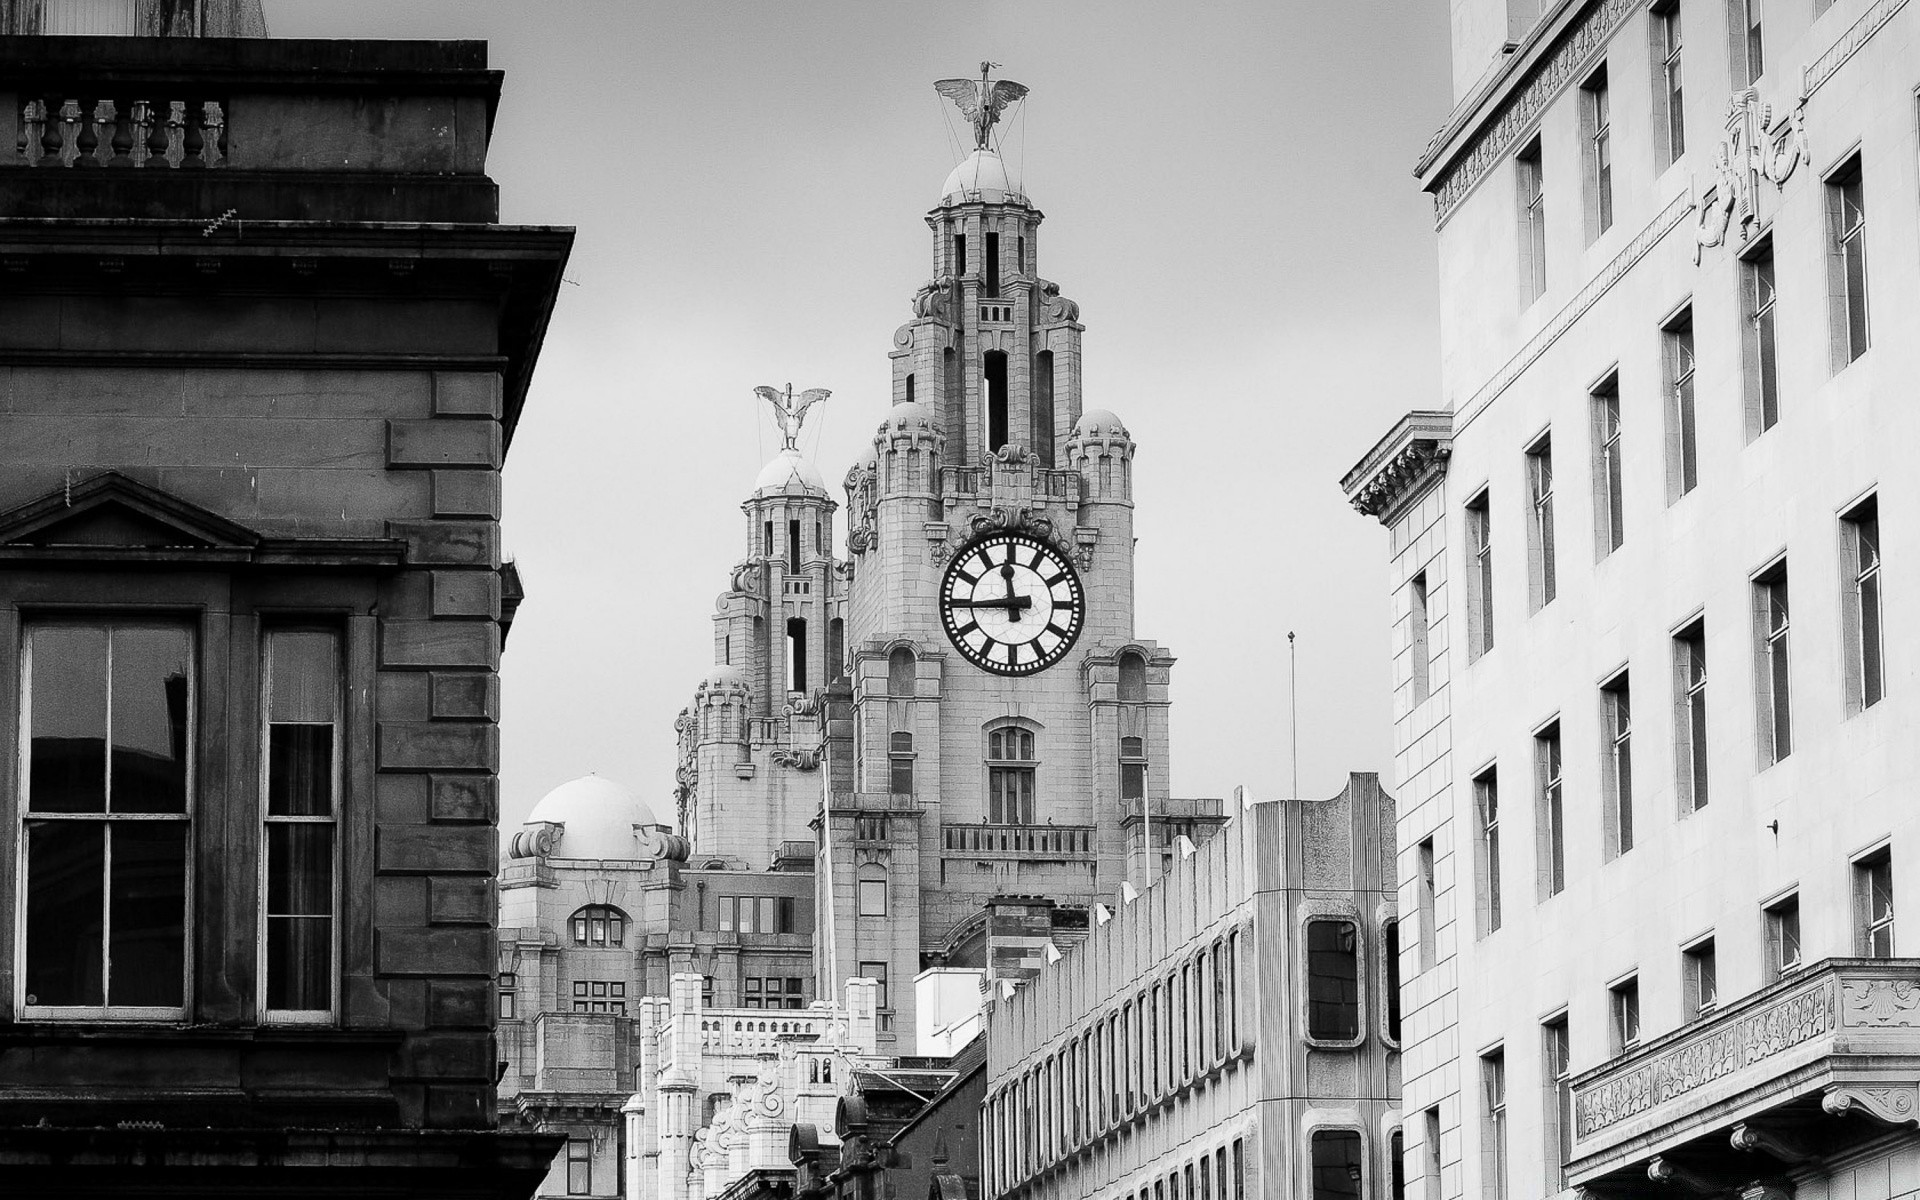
52 142
214 118
33 126
193 135
86 142
155 126
176 130
120 145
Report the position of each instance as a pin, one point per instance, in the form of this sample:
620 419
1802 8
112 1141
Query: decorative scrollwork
799 760
1882 1002
1892 1104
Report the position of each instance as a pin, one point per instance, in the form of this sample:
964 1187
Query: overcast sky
1228 197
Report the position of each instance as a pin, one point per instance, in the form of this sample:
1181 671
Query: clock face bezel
1039 565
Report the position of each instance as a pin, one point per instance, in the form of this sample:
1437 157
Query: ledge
1400 465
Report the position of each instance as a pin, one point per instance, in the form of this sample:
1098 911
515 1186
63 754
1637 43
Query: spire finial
788 412
983 102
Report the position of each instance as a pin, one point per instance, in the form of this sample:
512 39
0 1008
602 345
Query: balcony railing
86 127
1838 1038
1024 841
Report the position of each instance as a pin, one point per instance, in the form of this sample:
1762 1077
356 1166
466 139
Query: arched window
599 925
901 673
1133 676
1010 771
900 764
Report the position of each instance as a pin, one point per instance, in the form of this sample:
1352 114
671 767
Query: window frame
1310 1027
1849 282
1680 363
1667 53
1609 494
1747 42
1773 663
1556 1110
1616 762
1549 767
1001 768
1870 922
1863 605
1759 341
1700 976
1542 581
1780 922
1494 1123
1477 517
1531 202
1596 136
1625 1030
1486 806
1691 746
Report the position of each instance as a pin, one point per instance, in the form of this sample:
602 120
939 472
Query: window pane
1336 1164
148 913
1333 981
305 672
149 720
66 873
766 907
300 770
68 727
299 870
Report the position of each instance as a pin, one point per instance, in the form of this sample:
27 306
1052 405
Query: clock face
1012 604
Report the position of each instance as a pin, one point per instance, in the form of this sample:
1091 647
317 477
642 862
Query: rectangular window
1431 1128
1860 605
873 898
509 992
900 764
1486 804
1873 904
1556 1054
1493 1141
1683 464
1549 811
1690 715
786 914
302 772
579 1166
1540 542
1010 772
1337 1169
1533 223
1390 935
1479 577
1616 763
1701 976
1761 356
877 971
1669 109
1423 901
1333 981
1419 656
1773 689
1133 768
1749 52
1783 936
1624 1000
109 741
1847 262
1597 129
1609 497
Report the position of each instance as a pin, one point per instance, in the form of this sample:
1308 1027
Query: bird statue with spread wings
788 412
980 102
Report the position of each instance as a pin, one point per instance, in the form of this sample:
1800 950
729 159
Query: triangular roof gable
111 510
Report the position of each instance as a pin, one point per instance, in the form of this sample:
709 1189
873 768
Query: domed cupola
590 818
982 178
789 473
1101 449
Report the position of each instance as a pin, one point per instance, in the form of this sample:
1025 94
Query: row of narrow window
1700 997
1864 685
1218 1175
1163 1037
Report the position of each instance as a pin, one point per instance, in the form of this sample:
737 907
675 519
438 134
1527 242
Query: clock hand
1013 603
1006 577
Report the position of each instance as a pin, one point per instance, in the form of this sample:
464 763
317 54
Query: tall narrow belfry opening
793 544
991 264
994 376
796 654
909 387
1043 407
959 254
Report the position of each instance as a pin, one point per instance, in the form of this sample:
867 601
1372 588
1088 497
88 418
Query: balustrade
80 128
1047 841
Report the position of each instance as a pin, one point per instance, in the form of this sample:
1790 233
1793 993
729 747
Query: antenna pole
1293 712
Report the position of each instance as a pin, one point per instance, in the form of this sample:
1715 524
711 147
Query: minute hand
1009 602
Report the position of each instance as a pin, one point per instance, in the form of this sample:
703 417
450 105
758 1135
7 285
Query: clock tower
1009 729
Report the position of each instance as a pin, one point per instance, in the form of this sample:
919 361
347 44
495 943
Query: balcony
1782 1080
1045 842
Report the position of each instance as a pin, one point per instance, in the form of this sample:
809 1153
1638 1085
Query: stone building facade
1233 1033
1678 259
252 607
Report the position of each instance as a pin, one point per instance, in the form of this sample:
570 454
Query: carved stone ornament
1892 1103
1755 147
935 299
1882 1002
861 538
746 579
536 842
1055 308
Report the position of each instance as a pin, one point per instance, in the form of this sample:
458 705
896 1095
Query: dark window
1847 238
1609 497
1540 539
1873 901
1133 677
959 254
1337 1168
793 545
992 264
302 719
1392 934
1133 768
509 995
1486 802
1333 981
1043 407
994 379
909 387
900 764
796 654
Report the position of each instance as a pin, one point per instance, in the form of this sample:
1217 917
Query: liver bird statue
788 412
981 102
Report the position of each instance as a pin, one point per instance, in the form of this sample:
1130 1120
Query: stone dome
983 175
789 471
1099 423
598 816
908 414
724 675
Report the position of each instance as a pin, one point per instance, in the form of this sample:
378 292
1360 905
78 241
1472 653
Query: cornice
1401 465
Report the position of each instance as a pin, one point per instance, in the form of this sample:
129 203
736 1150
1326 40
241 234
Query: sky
1229 199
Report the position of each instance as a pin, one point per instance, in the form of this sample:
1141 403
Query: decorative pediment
111 511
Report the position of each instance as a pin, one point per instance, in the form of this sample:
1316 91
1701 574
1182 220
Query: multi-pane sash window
1479 577
1010 770
1486 803
1596 119
600 996
1550 814
1847 273
1690 715
303 771
1683 469
509 992
1702 976
1616 773
1749 51
1624 1000
1493 1146
1540 527
109 775
1133 768
900 764
579 1166
1762 356
1533 223
1860 613
1669 107
1773 692
1873 899
1609 497
1783 936
771 992
1556 1053
599 925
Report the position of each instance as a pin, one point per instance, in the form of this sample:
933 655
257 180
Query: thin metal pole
1293 712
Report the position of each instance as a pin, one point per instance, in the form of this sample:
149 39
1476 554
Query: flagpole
1293 713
